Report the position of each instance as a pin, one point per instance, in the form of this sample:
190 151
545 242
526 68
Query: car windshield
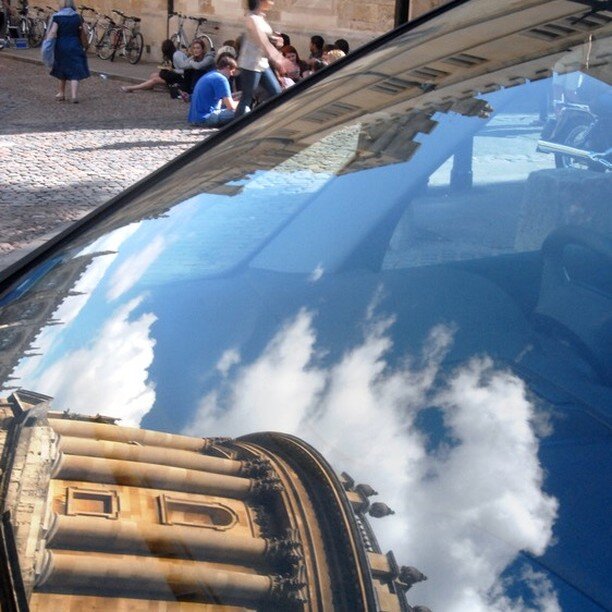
398 266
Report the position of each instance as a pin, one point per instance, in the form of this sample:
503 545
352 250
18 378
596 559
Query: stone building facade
358 22
102 517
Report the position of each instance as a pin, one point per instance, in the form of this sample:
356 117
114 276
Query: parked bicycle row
27 23
120 36
113 35
109 36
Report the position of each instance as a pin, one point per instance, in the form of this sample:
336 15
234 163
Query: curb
9 54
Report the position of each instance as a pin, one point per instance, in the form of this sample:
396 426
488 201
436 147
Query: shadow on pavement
17 127
136 145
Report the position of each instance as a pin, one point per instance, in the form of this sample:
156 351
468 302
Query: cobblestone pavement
58 161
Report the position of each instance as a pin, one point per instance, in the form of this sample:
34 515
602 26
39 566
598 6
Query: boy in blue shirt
212 104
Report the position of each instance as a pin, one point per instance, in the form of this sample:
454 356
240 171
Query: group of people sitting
225 84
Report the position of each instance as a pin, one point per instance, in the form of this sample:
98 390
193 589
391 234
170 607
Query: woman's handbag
47 52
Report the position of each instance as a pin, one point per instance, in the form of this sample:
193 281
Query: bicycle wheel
120 43
106 47
91 38
208 39
24 28
134 47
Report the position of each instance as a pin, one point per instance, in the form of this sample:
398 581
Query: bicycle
26 27
95 27
180 39
37 25
103 44
123 38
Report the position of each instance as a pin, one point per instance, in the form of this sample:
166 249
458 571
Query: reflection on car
396 266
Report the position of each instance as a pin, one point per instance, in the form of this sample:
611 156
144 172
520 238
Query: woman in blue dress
70 63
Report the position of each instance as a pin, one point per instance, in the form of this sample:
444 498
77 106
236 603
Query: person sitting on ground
297 66
316 47
343 45
212 104
196 65
165 75
229 51
316 53
238 43
329 57
226 50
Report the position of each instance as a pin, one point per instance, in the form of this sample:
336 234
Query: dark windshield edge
29 261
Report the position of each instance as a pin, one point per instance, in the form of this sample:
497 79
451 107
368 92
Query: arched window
194 513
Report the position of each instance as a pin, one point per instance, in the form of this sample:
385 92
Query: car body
381 262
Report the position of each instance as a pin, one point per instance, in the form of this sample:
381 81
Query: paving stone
59 161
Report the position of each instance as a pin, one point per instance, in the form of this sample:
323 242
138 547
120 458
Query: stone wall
419 7
153 14
357 21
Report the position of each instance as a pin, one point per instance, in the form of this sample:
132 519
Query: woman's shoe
75 100
60 97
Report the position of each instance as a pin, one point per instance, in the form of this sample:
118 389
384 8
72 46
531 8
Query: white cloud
463 511
109 376
130 271
228 360
106 250
278 380
537 584
112 241
317 273
483 501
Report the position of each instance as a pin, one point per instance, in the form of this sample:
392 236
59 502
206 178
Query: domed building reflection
103 517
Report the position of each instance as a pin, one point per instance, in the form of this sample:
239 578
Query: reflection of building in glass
442 68
106 517
23 320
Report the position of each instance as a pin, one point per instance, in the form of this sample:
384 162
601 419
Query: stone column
125 536
150 454
117 575
103 431
152 476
